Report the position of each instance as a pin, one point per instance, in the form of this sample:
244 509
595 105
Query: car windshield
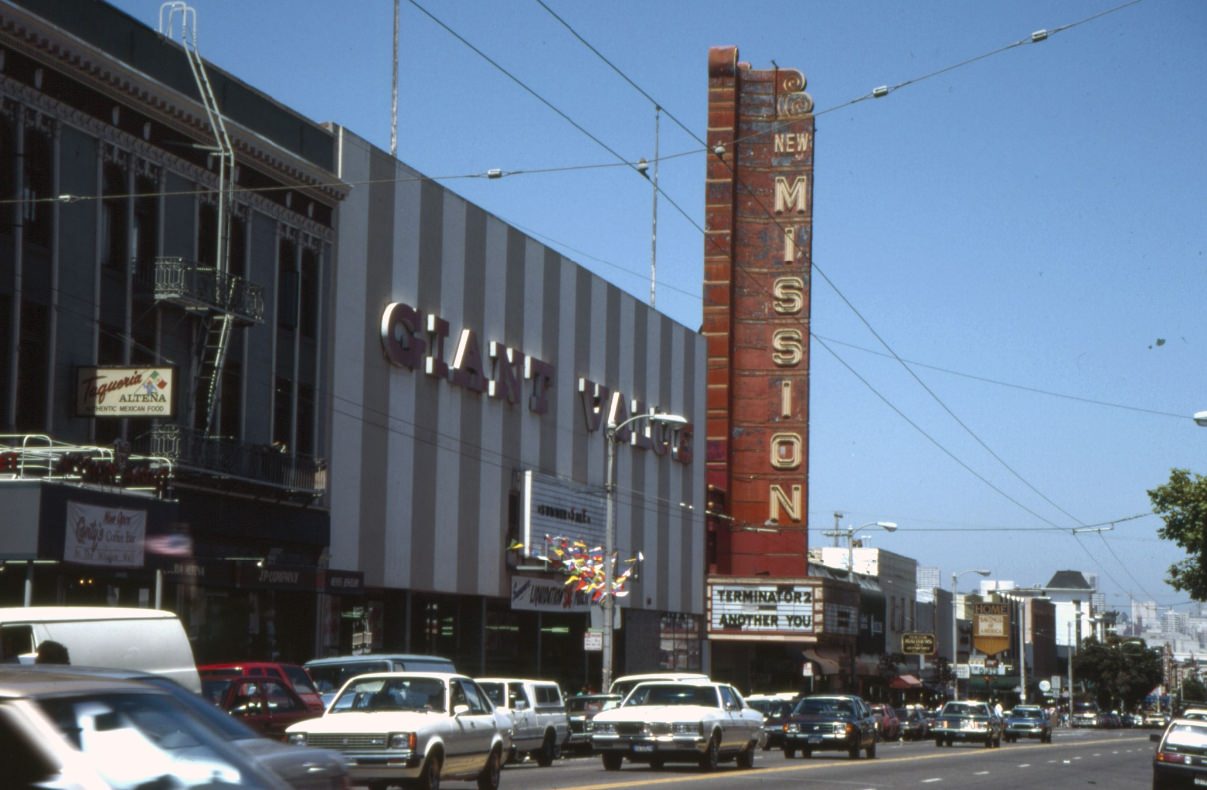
329 677
1186 738
588 705
672 694
820 706
770 707
145 740
394 693
965 709
493 690
1027 712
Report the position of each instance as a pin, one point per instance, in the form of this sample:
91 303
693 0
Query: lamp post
1200 417
955 620
887 526
609 601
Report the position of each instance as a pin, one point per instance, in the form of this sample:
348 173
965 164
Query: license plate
643 747
814 739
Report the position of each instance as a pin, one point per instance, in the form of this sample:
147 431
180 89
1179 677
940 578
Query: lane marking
980 773
928 781
1024 765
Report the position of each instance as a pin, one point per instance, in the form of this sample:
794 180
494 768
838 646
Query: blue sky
1026 231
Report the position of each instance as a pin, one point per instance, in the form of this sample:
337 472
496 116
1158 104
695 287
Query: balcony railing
256 465
204 288
39 457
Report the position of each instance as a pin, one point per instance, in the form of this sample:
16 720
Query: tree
1193 690
1120 673
1182 504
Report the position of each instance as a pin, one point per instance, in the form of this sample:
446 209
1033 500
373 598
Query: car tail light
1171 757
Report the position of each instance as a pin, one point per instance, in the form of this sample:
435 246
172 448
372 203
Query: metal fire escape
220 298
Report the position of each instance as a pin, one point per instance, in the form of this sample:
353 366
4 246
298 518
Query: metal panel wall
421 467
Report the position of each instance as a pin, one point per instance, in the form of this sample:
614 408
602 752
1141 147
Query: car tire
853 752
789 752
489 778
806 753
429 777
745 757
548 751
871 752
939 742
657 763
612 762
712 755
950 742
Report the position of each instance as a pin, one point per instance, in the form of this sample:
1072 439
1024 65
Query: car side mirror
459 709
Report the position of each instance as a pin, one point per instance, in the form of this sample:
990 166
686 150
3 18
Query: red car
215 678
887 722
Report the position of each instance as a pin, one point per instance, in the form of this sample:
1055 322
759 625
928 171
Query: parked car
540 725
887 723
411 728
775 709
1196 714
967 721
1178 760
1155 718
1028 721
624 684
329 674
1109 720
915 724
132 734
1085 714
829 722
678 721
301 769
215 678
580 710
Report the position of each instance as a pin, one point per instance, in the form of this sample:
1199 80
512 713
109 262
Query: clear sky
1025 231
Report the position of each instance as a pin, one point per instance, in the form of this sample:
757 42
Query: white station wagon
412 727
679 721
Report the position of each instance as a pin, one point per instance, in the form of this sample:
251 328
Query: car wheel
611 762
746 757
989 742
853 752
950 742
548 751
789 752
489 778
429 778
871 752
806 753
712 755
656 763
939 742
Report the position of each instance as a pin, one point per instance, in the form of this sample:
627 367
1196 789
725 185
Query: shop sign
275 577
991 627
760 608
916 644
108 536
559 508
541 595
341 582
125 392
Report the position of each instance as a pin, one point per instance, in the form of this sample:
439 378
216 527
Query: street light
1200 417
609 601
887 526
955 641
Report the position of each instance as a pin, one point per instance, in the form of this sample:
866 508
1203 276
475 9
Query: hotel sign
125 392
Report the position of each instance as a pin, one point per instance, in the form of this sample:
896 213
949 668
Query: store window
679 642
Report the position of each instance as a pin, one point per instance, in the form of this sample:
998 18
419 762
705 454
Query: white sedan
683 721
412 727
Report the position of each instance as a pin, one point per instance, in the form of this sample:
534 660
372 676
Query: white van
150 640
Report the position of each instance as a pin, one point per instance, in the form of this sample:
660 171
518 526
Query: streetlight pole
887 526
609 600
955 625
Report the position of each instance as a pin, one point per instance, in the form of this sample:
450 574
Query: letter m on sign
790 197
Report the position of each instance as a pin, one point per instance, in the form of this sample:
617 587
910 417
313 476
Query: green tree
1193 690
1119 673
1182 504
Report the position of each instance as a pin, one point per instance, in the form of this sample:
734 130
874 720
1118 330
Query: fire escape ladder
218 326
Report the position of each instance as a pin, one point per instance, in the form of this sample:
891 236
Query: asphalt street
1103 759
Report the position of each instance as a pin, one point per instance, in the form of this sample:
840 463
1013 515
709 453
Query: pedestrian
52 652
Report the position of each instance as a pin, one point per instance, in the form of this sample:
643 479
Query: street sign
918 644
962 672
593 641
806 669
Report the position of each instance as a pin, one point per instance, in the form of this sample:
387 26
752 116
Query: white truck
540 725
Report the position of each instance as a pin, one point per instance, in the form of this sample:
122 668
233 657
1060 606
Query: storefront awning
903 682
830 663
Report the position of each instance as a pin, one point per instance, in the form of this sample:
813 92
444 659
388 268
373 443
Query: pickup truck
540 724
967 721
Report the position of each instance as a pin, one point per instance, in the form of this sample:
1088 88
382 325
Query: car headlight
791 727
297 738
686 728
402 740
605 727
